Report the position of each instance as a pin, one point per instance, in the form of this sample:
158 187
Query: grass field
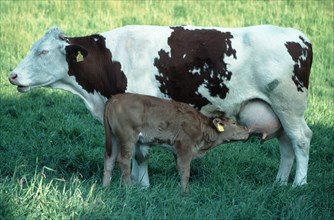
51 148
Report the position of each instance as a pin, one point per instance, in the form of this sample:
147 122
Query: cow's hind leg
297 136
301 146
287 158
290 105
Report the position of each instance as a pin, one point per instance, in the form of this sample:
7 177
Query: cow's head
63 62
44 65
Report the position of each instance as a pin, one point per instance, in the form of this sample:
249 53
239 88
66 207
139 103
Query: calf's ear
76 53
219 124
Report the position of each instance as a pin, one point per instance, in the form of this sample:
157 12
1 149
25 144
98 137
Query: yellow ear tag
80 58
220 127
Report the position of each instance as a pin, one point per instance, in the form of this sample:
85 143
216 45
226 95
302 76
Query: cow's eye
43 52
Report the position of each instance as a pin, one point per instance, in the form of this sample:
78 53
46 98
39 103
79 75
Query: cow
215 70
146 121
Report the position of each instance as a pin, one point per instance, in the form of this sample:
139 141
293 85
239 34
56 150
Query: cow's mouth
23 89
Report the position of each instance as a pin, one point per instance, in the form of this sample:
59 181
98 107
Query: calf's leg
109 158
109 164
184 156
124 159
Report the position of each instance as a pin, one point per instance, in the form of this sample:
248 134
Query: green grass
51 148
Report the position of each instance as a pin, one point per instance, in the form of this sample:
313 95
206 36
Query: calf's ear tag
218 124
220 127
80 58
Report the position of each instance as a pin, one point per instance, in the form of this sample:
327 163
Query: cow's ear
77 52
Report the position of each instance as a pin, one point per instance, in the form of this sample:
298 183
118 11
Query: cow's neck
96 72
94 101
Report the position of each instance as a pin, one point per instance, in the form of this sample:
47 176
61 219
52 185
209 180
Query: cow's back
256 61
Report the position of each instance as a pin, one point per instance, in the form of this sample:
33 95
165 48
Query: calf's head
228 130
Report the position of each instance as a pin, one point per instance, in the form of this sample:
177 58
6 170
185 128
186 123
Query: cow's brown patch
196 58
303 61
97 72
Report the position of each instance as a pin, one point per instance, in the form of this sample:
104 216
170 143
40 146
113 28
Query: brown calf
143 121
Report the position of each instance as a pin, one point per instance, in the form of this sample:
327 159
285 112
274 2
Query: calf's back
158 121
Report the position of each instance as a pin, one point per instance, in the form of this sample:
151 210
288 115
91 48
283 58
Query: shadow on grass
56 128
7 206
53 127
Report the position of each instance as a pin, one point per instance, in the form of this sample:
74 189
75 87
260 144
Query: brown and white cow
146 121
216 70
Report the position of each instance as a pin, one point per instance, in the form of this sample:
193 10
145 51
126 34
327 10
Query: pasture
51 147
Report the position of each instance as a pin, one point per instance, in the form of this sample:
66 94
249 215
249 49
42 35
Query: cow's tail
310 51
309 60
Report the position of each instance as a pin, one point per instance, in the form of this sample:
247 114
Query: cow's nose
12 77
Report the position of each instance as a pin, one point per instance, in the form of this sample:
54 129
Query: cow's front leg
134 169
139 171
